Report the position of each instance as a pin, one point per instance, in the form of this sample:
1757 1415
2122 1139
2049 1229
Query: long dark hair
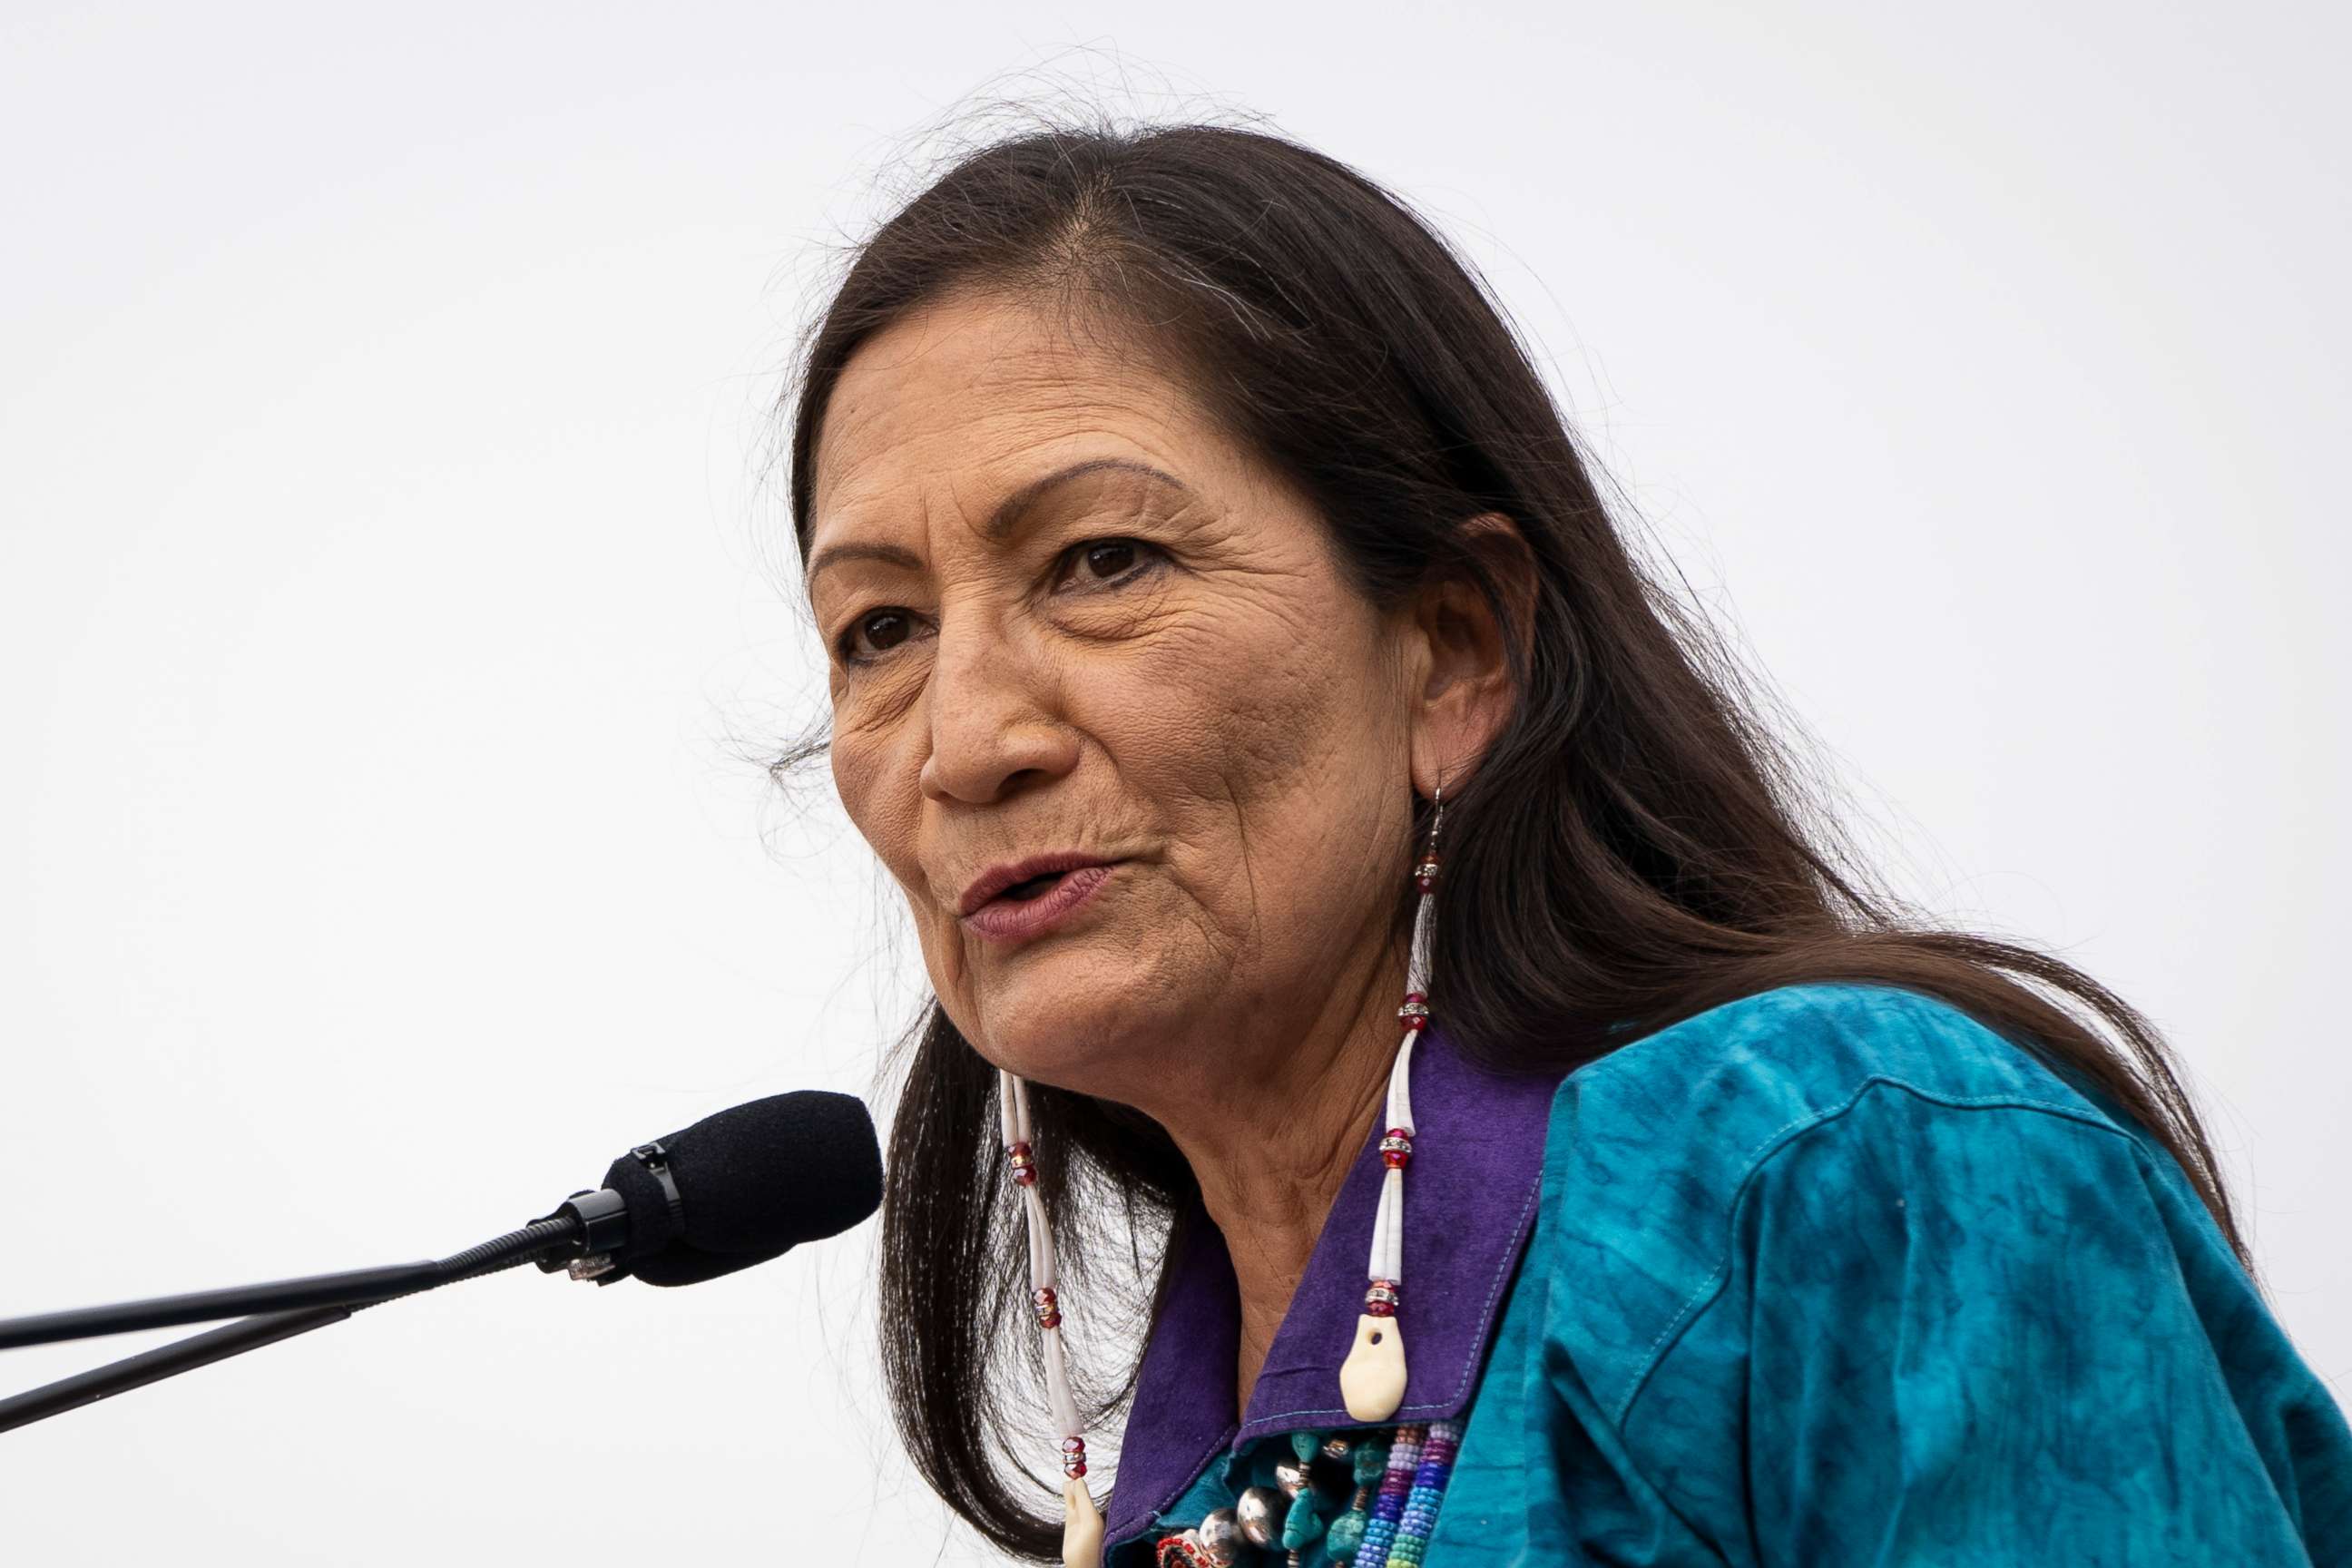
1637 844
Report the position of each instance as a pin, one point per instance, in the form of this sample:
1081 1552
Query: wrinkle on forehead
961 395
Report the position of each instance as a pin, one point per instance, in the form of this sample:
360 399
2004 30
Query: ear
1466 694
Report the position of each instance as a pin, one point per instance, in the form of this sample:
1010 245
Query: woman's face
1078 637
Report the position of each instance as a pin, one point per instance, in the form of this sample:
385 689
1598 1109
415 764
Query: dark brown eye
876 633
1103 563
1111 557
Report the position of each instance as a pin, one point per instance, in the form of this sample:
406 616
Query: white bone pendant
1082 1526
1371 1380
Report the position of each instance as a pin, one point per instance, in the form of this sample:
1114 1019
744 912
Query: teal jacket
1830 1276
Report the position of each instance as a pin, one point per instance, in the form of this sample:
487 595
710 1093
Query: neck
1271 1141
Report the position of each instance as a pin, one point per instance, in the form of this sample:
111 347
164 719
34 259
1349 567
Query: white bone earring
1082 1521
1371 1380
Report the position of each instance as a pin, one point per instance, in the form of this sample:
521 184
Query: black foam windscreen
753 1181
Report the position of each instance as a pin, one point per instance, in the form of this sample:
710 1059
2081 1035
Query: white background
389 608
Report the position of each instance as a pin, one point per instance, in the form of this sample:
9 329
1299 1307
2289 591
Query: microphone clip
602 1216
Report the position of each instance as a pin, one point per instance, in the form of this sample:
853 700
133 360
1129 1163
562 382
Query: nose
993 728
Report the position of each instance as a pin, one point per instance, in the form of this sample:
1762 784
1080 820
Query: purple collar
1469 1205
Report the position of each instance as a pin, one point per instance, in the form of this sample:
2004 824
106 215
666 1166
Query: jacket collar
1470 1206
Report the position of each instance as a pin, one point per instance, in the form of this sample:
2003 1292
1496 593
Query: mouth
1038 904
1024 880
1031 887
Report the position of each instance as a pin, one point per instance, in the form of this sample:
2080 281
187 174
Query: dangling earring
1082 1521
1371 1380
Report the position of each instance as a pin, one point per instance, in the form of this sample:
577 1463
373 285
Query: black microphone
740 1186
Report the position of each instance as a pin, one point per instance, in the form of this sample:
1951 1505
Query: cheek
882 801
1269 745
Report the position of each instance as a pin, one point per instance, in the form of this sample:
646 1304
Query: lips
1050 902
1011 877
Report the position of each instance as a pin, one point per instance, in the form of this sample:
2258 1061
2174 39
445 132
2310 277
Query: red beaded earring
1371 1380
1082 1521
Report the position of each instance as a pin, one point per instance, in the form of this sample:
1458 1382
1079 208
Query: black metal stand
287 1308
185 1355
355 1288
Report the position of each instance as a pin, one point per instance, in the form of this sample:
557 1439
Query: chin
1068 1025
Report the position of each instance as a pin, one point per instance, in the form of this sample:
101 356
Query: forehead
962 399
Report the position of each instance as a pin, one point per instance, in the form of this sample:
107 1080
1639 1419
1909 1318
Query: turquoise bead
1304 1523
1347 1534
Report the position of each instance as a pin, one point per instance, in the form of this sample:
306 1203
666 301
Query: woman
1332 857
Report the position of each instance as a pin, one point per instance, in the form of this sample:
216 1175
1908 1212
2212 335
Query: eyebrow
1001 521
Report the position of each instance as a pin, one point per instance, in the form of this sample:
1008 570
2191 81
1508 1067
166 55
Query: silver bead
1260 1511
1221 1537
1290 1475
1336 1448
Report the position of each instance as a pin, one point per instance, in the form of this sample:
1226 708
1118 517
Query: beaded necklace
1372 1378
1387 1525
